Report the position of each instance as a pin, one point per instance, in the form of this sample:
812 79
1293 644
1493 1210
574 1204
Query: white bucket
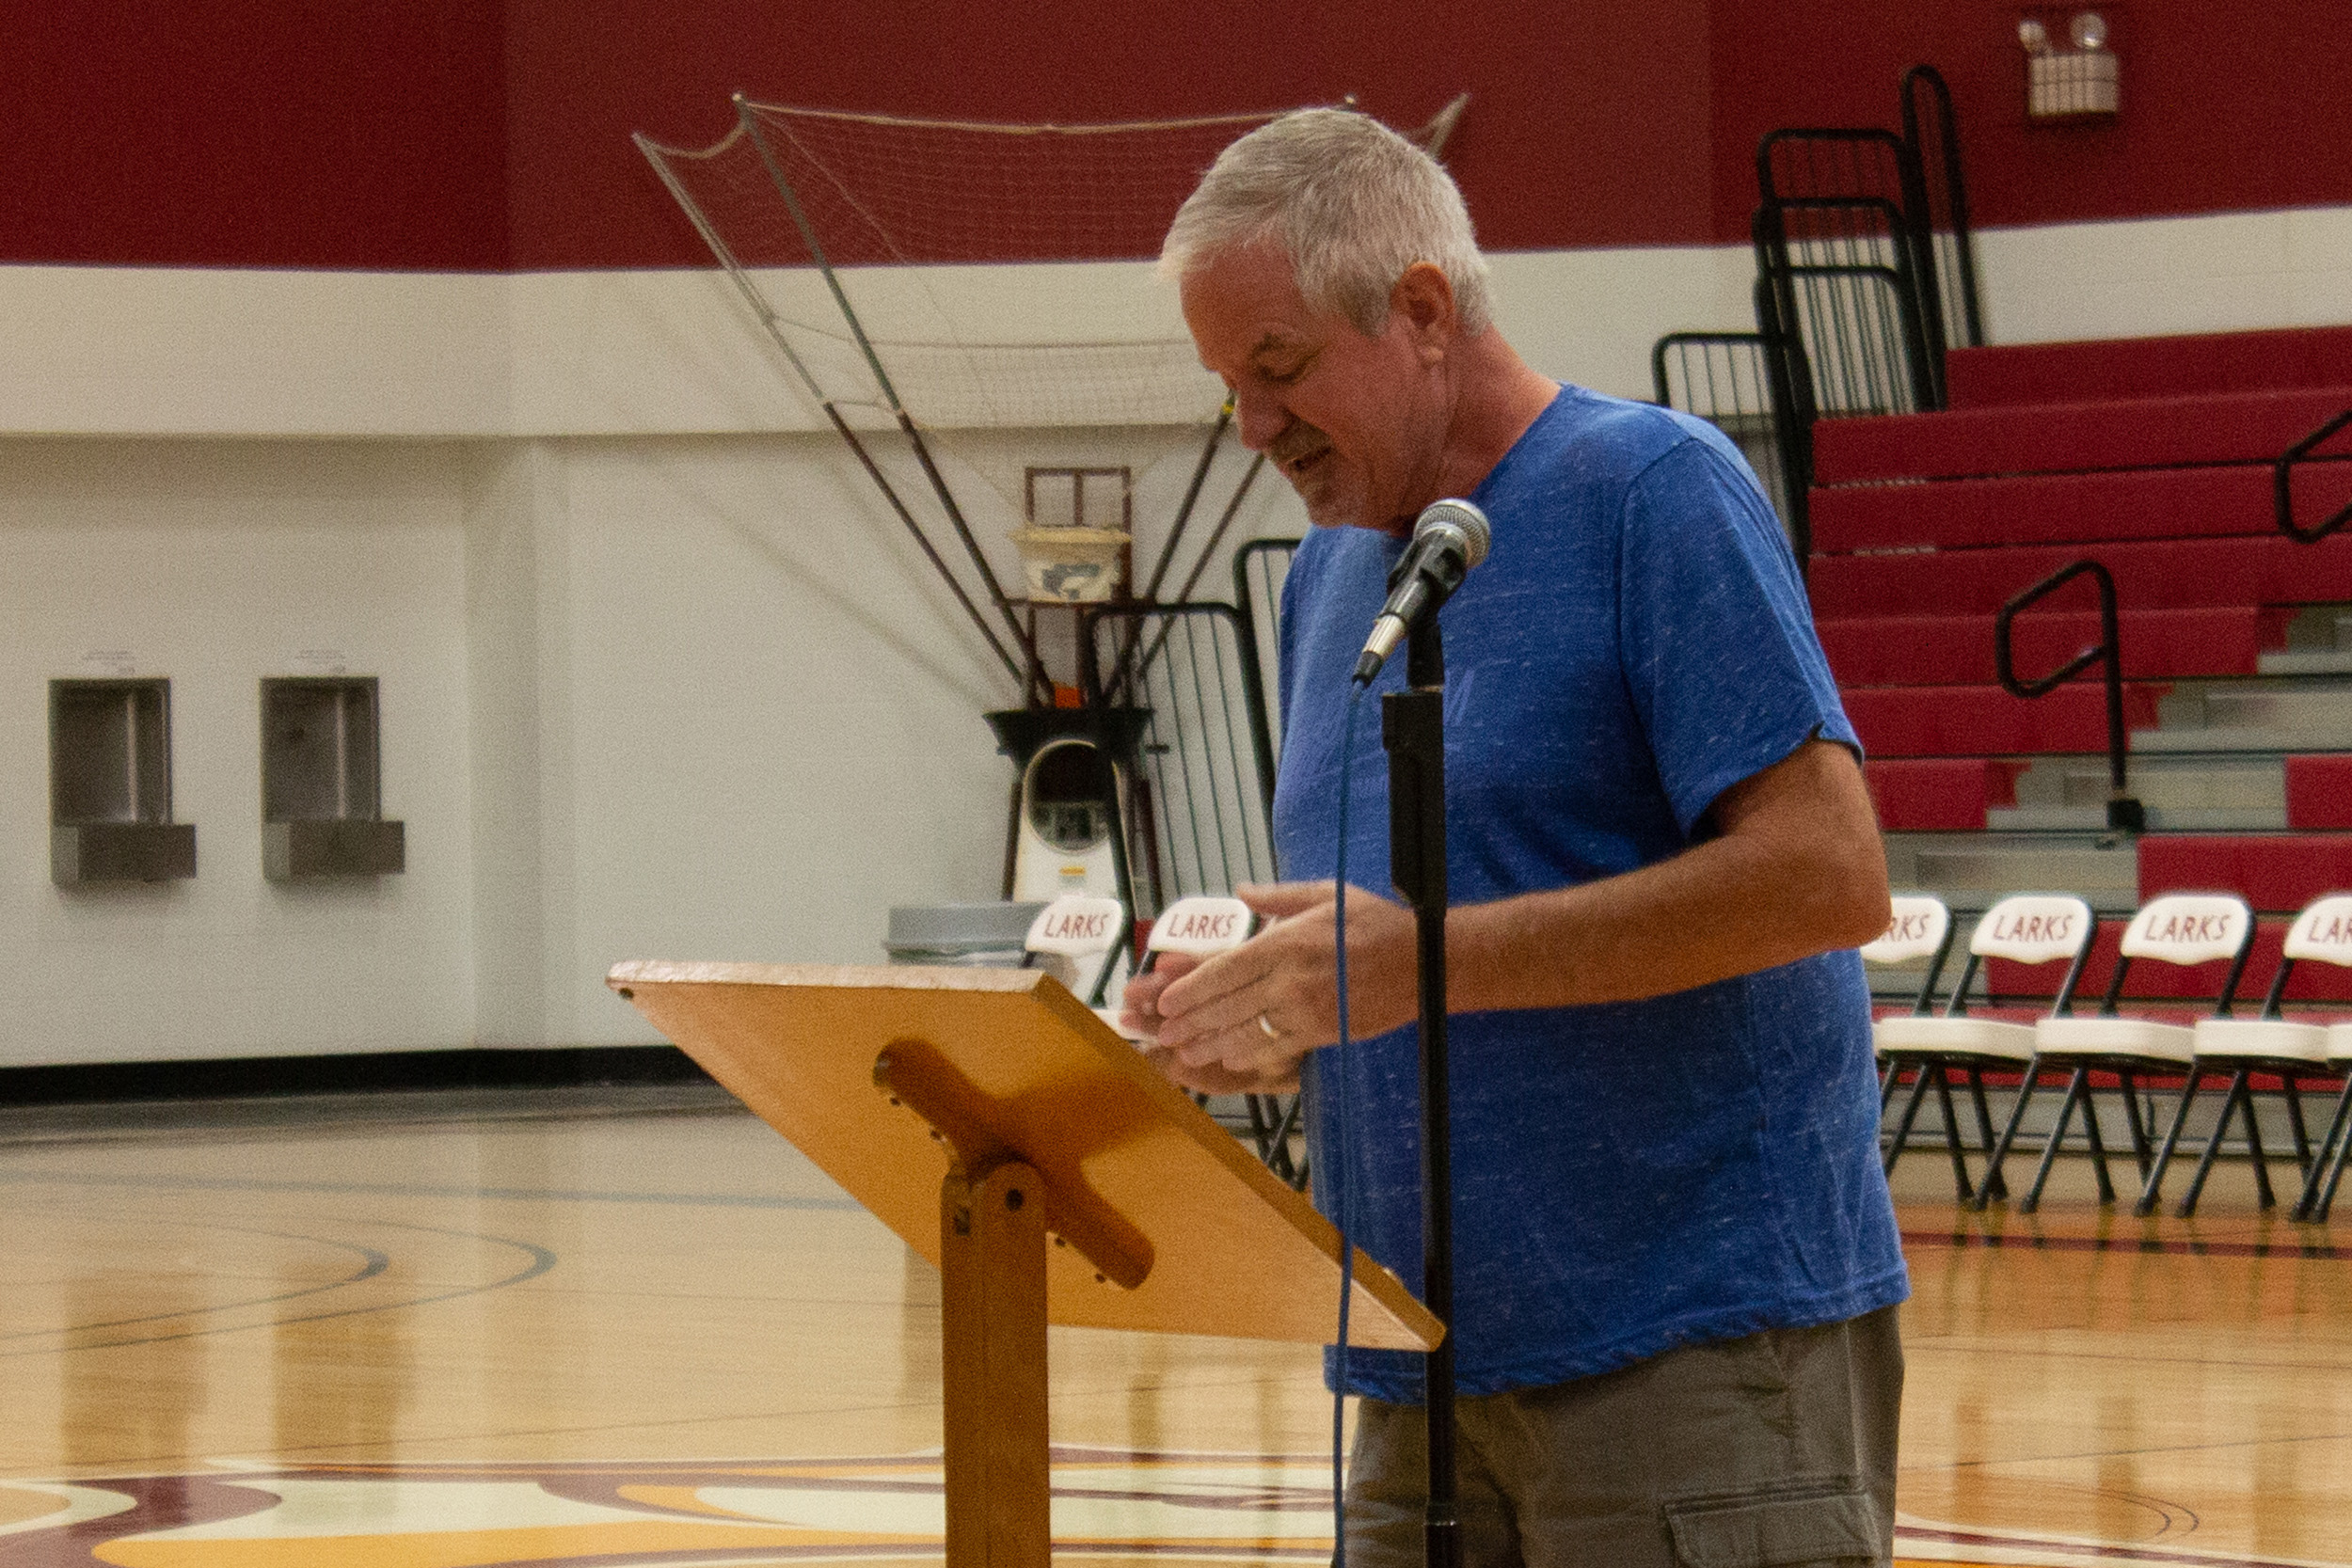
1071 566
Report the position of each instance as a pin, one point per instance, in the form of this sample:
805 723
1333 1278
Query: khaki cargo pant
1776 1450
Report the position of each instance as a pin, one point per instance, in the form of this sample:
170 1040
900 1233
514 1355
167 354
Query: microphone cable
1336 1146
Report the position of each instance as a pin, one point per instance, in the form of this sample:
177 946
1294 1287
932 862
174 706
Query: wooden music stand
1009 1137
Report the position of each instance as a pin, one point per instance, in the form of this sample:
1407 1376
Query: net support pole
1192 498
774 328
881 379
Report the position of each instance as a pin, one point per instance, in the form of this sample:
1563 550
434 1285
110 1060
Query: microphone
1449 538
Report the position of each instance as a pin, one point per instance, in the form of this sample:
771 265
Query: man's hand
1205 1015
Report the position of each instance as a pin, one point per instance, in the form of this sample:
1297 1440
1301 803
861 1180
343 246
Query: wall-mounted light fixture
2077 83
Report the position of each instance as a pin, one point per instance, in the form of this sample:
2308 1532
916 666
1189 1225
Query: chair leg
2075 1093
2143 1155
2153 1193
2311 1180
1984 1128
2295 1121
2264 1197
2335 1173
1952 1131
1993 1182
2098 1142
2213 1145
1911 1113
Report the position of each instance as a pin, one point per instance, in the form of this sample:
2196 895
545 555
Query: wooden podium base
992 1246
1007 1135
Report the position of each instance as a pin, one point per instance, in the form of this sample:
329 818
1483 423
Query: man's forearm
1798 870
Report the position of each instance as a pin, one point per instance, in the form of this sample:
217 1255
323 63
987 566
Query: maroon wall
254 133
1549 152
2224 107
435 134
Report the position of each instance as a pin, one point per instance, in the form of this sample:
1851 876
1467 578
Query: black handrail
1858 178
1793 410
1744 403
2124 810
2282 484
1963 283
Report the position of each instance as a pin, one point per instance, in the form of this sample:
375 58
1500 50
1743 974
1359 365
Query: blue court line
406 1189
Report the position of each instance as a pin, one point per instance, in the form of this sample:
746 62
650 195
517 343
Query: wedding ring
1265 1027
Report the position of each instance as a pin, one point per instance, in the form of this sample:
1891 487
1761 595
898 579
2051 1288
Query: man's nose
1261 418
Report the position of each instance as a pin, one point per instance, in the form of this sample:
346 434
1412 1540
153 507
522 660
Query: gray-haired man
1676 1260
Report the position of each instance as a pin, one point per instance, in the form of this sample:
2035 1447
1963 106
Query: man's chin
1326 510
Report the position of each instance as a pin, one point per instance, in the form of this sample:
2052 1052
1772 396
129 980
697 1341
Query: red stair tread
2069 437
2277 873
1985 720
2133 503
2170 573
1935 794
2319 792
1957 650
2150 366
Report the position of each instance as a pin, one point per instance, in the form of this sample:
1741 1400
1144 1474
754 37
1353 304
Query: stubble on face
1307 459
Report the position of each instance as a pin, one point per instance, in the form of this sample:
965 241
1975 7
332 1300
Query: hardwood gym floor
634 1326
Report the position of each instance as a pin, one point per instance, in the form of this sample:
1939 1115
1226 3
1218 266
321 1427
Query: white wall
661 675
216 565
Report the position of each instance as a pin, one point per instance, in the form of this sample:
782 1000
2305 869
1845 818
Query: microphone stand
1413 730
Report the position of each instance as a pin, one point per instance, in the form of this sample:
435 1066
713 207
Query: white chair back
2033 928
2322 932
2190 928
1917 930
1200 926
1079 934
1077 925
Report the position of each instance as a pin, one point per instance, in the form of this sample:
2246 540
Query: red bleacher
2153 455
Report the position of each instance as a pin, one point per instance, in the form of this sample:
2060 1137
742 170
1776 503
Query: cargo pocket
1825 1524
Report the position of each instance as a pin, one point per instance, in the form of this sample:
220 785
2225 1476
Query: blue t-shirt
1627 1177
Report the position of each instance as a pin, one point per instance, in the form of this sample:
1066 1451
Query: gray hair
1351 202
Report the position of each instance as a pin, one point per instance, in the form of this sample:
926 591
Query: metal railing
1199 812
1947 248
1846 284
1868 203
1726 379
1259 569
2124 812
2282 483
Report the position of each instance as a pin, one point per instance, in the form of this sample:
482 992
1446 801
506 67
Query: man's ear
1425 298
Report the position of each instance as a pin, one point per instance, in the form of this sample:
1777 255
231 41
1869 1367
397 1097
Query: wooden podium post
1007 1135
993 1359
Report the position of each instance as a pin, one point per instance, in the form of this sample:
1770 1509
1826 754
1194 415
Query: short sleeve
1717 639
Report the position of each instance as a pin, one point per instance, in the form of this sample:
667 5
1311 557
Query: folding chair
2030 928
2327 1172
2325 930
2186 929
1921 927
2241 1047
1079 938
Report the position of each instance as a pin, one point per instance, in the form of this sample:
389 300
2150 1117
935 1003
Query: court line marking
542 1260
371 1262
418 1189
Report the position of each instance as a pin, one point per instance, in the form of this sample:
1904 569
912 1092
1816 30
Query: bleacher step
2320 707
2147 367
1971 871
2305 661
2244 785
2072 437
2177 819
